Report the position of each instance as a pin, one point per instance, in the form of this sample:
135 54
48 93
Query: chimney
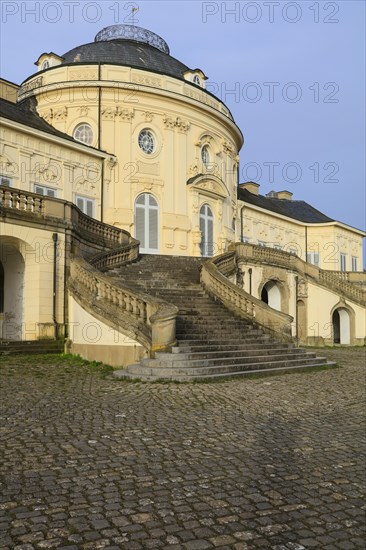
283 195
250 186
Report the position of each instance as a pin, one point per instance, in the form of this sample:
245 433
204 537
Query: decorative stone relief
147 80
193 170
148 116
83 75
125 114
83 110
29 86
110 113
302 289
61 114
48 173
178 122
47 115
229 149
168 122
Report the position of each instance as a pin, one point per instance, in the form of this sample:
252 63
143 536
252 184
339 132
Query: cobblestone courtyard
90 462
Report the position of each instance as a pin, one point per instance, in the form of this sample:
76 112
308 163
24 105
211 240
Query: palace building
114 154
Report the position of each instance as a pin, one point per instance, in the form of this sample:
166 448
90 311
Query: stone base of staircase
31 347
211 341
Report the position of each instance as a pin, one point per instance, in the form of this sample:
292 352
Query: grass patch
55 359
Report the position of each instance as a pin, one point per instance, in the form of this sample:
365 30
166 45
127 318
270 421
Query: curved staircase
211 341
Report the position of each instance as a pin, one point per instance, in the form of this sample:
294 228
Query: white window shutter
140 226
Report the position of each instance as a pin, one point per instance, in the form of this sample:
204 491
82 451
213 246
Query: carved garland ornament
178 122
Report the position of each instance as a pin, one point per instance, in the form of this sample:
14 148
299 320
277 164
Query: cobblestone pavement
90 462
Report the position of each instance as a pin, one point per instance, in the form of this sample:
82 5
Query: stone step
227 355
223 347
151 375
231 362
139 370
190 339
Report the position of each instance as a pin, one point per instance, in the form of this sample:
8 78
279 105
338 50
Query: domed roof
130 46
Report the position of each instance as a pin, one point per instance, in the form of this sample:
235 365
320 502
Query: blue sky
292 73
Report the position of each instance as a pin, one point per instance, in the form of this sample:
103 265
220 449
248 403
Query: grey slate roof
297 210
23 115
129 53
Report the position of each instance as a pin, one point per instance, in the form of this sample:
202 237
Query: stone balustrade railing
117 257
146 319
333 280
214 275
65 212
21 200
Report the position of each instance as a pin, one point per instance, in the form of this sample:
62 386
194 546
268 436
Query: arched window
84 133
197 80
45 65
147 223
206 228
205 156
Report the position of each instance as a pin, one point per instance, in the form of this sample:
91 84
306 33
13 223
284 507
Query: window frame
354 262
312 256
342 261
153 140
206 156
91 136
10 180
85 199
46 189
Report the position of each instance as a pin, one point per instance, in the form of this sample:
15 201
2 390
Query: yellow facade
184 175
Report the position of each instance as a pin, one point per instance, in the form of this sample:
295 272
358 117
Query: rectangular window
343 262
4 180
313 258
354 263
86 205
46 191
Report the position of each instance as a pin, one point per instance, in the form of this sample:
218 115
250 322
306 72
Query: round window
205 155
84 133
146 141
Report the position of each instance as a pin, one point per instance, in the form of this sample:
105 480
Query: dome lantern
131 32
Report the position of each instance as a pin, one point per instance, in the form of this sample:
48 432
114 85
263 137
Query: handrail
148 320
117 257
240 302
328 279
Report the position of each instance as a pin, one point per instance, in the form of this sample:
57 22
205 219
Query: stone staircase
31 347
211 341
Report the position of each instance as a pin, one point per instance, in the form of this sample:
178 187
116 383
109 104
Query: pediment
209 185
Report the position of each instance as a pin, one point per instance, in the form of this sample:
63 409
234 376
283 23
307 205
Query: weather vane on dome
133 11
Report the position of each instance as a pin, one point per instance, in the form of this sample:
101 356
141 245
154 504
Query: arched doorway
341 326
147 223
11 292
271 295
206 228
